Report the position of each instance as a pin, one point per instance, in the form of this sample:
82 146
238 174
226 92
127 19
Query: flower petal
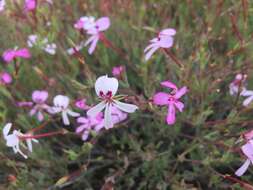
96 109
169 84
108 116
161 98
151 52
181 92
72 113
65 118
6 129
168 31
129 108
103 23
105 84
179 105
247 101
171 116
243 168
93 45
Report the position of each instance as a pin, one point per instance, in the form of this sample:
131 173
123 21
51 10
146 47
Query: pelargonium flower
11 54
106 89
96 32
61 104
117 71
85 22
39 106
5 78
89 124
2 5
14 139
30 5
163 40
237 83
171 100
81 104
96 123
247 150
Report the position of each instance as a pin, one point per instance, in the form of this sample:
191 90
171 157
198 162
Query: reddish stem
173 57
109 44
61 132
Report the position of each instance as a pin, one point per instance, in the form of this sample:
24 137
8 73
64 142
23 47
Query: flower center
107 96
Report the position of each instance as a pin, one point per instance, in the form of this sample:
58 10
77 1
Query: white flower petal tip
129 108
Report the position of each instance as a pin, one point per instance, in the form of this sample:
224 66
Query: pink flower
237 83
247 149
39 106
81 104
96 123
171 100
10 54
106 89
163 40
85 23
30 5
96 33
117 71
5 78
89 124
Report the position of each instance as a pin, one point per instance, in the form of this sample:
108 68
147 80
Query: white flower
32 40
106 88
61 104
13 140
2 5
50 48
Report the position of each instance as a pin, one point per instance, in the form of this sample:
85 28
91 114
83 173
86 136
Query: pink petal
8 55
149 47
171 116
151 52
39 96
23 53
161 98
179 105
181 92
103 23
247 149
166 42
168 31
169 84
93 45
